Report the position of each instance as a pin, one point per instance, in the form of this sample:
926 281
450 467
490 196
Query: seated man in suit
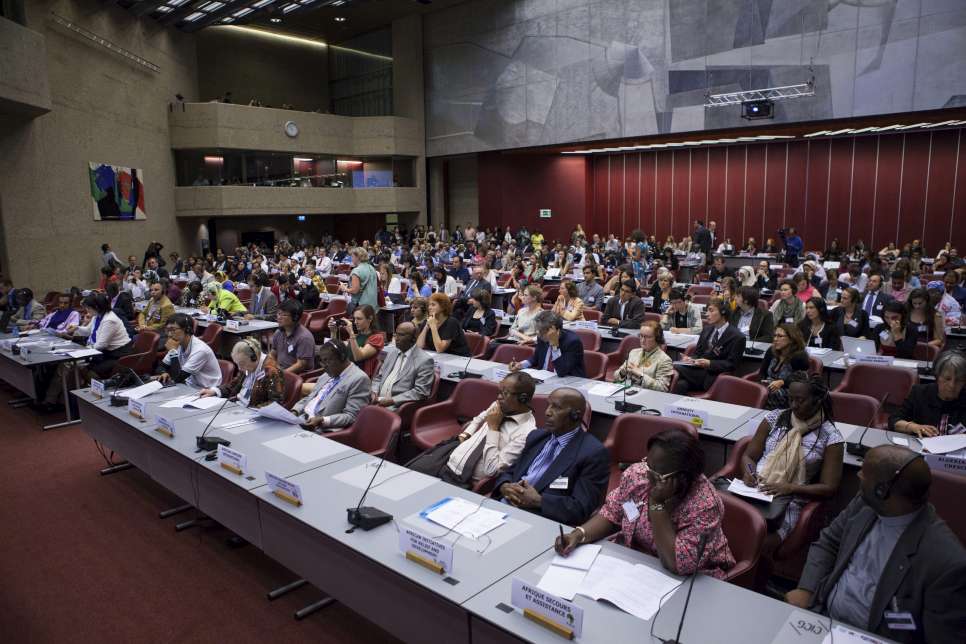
335 400
558 349
874 300
718 269
755 323
719 350
626 311
887 563
406 375
562 472
263 304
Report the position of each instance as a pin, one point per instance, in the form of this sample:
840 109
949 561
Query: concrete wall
463 192
408 95
219 201
513 73
272 71
24 89
105 109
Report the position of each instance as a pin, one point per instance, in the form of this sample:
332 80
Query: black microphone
687 600
858 449
120 401
460 375
367 517
206 443
622 405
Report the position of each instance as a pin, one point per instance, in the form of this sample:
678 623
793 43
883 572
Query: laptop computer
397 298
858 347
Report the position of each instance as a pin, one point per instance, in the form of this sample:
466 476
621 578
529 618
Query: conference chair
293 389
745 529
212 336
737 391
695 289
375 431
443 420
550 294
477 343
407 410
926 352
227 371
652 317
140 363
617 358
507 353
314 322
946 494
627 440
590 339
789 558
855 409
146 340
701 298
876 381
319 326
592 315
595 364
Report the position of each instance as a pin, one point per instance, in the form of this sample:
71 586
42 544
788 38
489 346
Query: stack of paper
944 444
540 374
738 487
193 401
605 389
277 412
136 393
565 574
471 520
635 589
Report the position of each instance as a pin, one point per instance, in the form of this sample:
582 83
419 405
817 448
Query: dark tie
869 301
714 337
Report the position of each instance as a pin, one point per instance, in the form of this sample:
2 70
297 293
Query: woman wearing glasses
663 506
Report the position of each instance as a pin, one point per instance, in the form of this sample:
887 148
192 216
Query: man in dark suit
887 563
476 282
562 472
754 322
702 239
719 270
874 299
627 310
719 350
558 349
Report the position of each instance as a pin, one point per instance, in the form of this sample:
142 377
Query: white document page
562 582
944 444
582 558
277 412
136 393
540 374
604 389
738 487
635 589
83 353
469 519
714 408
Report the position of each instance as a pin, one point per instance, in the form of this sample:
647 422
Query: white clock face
291 129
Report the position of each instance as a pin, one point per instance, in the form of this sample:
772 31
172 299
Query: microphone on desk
702 543
120 401
460 375
207 443
622 405
367 517
858 449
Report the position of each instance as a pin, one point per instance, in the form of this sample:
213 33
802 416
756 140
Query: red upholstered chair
628 436
319 324
478 344
145 341
617 358
507 353
443 420
745 529
592 315
212 336
227 371
927 352
855 409
789 558
311 376
595 364
737 391
700 298
694 289
293 389
876 381
550 294
652 317
375 431
946 494
590 339
408 410
139 363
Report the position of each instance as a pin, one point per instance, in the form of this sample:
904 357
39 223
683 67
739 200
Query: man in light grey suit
887 563
340 393
407 374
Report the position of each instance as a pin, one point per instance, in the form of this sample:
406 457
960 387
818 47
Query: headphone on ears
576 415
883 490
345 353
523 397
250 345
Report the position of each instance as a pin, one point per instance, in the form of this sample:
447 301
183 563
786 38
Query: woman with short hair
259 381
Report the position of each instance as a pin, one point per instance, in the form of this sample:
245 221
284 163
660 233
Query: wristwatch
656 507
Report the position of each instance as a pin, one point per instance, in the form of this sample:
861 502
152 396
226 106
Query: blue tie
869 301
543 460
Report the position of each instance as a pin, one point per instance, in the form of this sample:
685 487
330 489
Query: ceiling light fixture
339 18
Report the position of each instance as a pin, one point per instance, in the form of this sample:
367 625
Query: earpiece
524 398
883 490
575 415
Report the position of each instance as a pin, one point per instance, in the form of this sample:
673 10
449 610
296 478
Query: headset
883 490
252 352
345 353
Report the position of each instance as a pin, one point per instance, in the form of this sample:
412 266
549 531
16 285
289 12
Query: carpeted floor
84 558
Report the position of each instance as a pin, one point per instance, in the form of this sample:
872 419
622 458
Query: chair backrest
701 298
745 529
927 352
589 338
539 406
592 314
336 307
507 353
628 343
595 364
946 494
227 371
877 380
293 389
856 409
737 391
211 336
815 366
652 317
139 363
550 293
477 343
695 289
472 396
375 431
627 440
316 320
146 340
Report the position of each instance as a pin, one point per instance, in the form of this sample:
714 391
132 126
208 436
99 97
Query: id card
631 511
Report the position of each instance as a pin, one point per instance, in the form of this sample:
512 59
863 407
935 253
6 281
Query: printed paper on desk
471 520
817 351
83 353
142 390
287 488
209 402
605 389
842 634
581 558
231 325
738 487
585 324
802 626
540 374
715 408
231 458
559 611
944 444
635 589
427 547
277 412
496 374
562 582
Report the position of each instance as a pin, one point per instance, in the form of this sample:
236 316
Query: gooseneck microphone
687 600
368 517
464 373
207 443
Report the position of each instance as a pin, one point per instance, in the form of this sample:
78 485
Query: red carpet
84 558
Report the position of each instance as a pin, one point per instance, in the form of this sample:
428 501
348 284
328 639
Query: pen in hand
751 472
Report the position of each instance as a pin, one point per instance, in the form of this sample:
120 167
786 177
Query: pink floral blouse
700 512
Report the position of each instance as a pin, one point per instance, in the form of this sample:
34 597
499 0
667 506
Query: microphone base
367 517
118 401
209 443
462 375
626 407
857 450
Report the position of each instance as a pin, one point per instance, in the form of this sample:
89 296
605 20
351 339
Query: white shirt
199 361
501 449
111 333
323 266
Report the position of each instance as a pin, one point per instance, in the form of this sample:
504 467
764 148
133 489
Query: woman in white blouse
523 328
105 332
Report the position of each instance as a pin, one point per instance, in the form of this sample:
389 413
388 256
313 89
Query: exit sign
545 213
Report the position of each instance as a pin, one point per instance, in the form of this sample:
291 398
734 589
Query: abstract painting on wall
117 192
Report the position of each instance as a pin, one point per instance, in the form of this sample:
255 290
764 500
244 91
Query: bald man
407 374
563 470
887 563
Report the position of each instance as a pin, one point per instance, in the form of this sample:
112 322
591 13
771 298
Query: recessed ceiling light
339 18
275 20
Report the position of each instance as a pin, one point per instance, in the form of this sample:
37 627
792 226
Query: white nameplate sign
496 374
231 325
697 417
97 387
137 408
426 551
285 490
947 463
874 359
802 626
586 324
165 426
648 301
558 615
231 460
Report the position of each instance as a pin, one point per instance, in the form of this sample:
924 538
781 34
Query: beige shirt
501 449
657 367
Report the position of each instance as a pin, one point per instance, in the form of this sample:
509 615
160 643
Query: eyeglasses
657 476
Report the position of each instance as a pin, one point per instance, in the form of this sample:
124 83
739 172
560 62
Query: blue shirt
551 450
